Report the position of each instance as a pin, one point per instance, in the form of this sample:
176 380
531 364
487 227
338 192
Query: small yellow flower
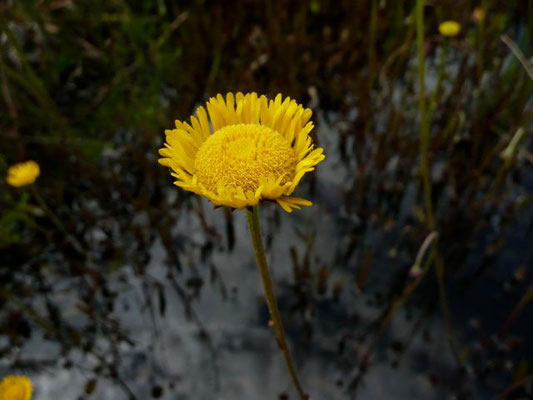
15 388
23 174
478 15
449 28
243 150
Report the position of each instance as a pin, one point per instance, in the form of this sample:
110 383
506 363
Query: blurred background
149 292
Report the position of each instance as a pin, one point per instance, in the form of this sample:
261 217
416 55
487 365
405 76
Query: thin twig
524 301
508 391
394 306
416 268
518 53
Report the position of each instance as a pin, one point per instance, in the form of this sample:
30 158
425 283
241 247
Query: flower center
241 155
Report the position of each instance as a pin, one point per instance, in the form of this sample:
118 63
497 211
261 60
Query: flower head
449 28
478 15
15 388
23 174
244 149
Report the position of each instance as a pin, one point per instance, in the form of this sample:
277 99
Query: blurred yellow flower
243 150
15 388
23 174
478 15
449 28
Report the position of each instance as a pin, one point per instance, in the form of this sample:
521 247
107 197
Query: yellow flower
478 15
23 174
449 28
15 388
243 150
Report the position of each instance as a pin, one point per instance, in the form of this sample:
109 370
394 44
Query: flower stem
255 232
440 78
424 122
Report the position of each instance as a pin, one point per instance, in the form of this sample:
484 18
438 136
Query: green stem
445 309
73 241
440 78
255 233
424 126
424 159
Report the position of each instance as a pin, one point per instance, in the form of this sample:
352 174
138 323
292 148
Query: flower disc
241 155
